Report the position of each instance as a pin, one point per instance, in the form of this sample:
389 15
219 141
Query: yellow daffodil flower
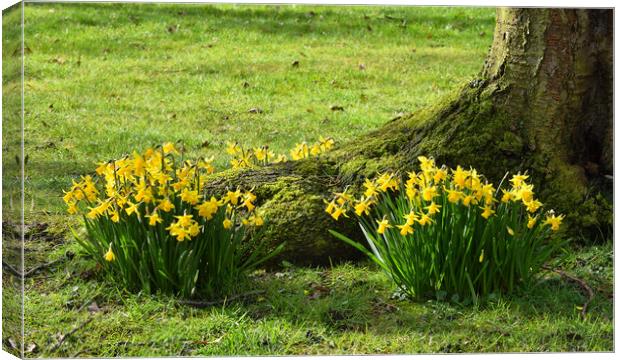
109 255
428 193
338 211
405 229
154 218
424 219
533 205
518 180
554 221
531 221
169 148
411 218
165 205
362 207
208 208
383 225
433 208
487 211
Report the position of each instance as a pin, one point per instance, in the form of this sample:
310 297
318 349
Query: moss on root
469 128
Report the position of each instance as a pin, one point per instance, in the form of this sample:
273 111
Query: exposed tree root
204 304
32 271
586 288
64 337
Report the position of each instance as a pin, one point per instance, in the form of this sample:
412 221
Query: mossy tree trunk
542 103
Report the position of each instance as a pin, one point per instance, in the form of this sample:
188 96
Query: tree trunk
542 104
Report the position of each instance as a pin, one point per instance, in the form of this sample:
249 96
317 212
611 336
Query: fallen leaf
58 60
336 108
31 348
173 28
362 67
93 308
246 84
295 63
205 144
255 110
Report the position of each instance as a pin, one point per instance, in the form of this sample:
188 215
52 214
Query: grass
104 79
344 309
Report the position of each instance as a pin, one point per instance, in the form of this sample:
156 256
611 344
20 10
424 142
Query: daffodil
405 229
326 143
383 225
426 164
248 204
233 196
424 219
72 208
487 211
428 193
132 208
228 224
331 206
371 188
189 196
554 221
468 200
440 175
109 255
169 148
531 221
507 196
256 220
518 179
184 220
433 208
165 205
532 205
232 148
411 217
208 208
154 218
459 177
454 195
338 211
362 207
193 229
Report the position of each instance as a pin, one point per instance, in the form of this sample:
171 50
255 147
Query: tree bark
542 104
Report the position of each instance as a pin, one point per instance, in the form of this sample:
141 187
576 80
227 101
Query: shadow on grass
289 20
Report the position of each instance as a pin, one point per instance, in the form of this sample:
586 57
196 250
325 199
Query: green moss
296 216
511 143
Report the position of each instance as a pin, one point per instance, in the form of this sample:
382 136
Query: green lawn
104 79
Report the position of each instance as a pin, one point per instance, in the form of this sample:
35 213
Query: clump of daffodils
153 187
244 158
442 230
151 222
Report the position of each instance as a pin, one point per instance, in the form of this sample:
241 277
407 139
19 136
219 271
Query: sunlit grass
104 79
